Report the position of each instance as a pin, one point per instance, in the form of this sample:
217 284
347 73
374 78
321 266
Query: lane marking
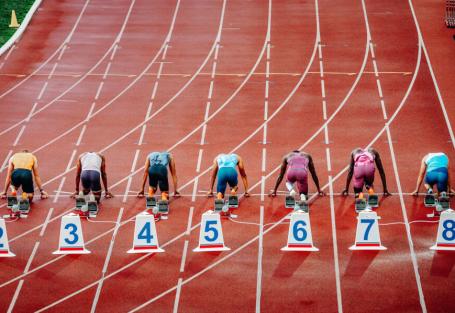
260 253
15 296
79 140
177 296
6 161
185 251
46 222
19 135
42 91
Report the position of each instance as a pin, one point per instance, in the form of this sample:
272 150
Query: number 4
146 233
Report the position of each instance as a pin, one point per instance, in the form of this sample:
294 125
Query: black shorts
158 176
91 180
24 178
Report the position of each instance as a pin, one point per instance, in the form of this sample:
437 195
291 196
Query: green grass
6 6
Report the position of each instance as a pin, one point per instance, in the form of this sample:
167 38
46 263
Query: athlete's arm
350 173
8 179
44 194
78 177
314 175
212 178
243 175
107 194
423 169
140 194
381 173
173 171
283 168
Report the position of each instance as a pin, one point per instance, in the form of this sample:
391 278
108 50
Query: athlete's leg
163 181
233 180
24 178
154 173
302 182
223 176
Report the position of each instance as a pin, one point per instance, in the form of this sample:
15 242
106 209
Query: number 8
449 228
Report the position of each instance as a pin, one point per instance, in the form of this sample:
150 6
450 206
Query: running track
259 78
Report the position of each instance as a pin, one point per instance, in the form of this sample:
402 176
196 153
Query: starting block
145 237
289 202
429 201
302 206
12 200
211 233
233 201
4 244
373 200
445 239
360 205
150 202
443 202
219 205
299 235
71 239
367 233
163 208
80 201
450 13
24 206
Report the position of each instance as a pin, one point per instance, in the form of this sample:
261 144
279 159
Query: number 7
370 223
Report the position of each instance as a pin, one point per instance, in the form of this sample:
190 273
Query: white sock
289 186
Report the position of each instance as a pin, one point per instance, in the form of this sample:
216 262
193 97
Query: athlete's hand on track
386 193
272 193
176 194
3 195
140 194
210 194
44 195
108 195
415 193
246 194
321 193
344 192
74 194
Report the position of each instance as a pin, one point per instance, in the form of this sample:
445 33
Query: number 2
370 223
208 228
72 233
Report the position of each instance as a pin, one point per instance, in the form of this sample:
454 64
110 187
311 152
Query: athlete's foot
219 196
164 196
151 192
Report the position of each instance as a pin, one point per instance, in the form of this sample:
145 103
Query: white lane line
79 140
193 194
375 66
19 135
90 112
62 51
264 135
46 222
266 89
260 253
113 52
42 90
16 295
266 109
141 137
106 262
378 83
190 220
204 130
433 77
51 73
6 161
384 112
149 109
207 110
57 195
13 47
177 296
31 111
321 68
213 70
335 247
155 86
106 72
30 259
185 251
323 88
372 50
133 165
403 205
199 160
329 164
100 87
324 109
210 90
71 160
326 135
264 154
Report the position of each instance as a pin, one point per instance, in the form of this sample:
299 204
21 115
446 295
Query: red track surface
130 77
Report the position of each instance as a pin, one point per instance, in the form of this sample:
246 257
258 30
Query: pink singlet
298 171
363 169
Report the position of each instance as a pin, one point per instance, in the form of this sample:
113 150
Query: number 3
72 233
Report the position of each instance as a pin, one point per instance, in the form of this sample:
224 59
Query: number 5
209 228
